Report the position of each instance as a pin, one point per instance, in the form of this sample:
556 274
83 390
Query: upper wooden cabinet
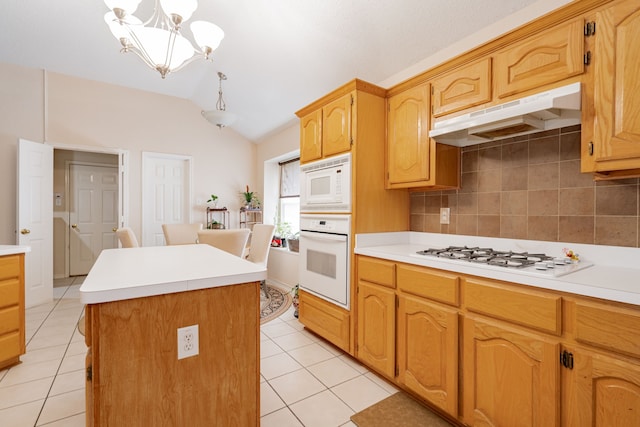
408 145
611 107
413 159
462 88
549 57
336 126
311 136
326 131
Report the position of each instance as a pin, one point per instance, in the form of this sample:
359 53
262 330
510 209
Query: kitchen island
137 299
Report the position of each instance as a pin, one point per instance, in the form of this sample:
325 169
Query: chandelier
220 116
158 41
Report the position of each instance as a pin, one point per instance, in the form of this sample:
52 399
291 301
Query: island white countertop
127 273
13 249
614 274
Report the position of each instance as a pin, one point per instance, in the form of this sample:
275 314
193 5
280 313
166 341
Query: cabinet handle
591 148
25 231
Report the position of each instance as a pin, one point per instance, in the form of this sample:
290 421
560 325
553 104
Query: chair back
261 243
233 241
181 234
127 237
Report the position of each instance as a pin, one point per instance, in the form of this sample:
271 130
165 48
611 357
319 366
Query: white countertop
127 273
13 249
614 275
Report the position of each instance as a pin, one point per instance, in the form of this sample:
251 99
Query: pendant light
220 116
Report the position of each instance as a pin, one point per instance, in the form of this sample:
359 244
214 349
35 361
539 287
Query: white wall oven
324 257
325 185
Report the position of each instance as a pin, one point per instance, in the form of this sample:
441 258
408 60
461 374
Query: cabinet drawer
525 307
10 346
9 292
9 266
377 271
9 319
429 283
550 57
610 328
325 319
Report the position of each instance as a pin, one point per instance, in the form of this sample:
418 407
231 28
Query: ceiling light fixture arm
158 41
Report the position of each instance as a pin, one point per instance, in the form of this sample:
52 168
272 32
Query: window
289 202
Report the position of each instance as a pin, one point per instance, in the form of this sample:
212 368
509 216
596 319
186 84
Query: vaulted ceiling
278 55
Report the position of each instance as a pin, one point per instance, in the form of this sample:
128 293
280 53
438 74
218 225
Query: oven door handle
323 236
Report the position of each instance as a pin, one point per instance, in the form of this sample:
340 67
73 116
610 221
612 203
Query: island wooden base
134 377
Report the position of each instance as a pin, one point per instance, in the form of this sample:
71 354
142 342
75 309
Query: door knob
25 231
74 225
114 229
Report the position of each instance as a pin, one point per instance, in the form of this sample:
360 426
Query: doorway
87 202
93 214
37 195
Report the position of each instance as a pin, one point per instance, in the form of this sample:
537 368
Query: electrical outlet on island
188 342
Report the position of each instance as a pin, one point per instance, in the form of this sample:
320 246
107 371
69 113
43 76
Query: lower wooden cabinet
12 327
325 319
427 351
511 376
492 353
376 327
600 390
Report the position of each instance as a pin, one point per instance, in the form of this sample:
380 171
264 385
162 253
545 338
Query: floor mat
398 410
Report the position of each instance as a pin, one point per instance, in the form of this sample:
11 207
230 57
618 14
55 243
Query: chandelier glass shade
220 116
158 41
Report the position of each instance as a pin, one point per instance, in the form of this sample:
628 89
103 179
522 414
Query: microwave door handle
323 236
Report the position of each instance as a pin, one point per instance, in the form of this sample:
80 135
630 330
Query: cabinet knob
25 231
114 229
74 225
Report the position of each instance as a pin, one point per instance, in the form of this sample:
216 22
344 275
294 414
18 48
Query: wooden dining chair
127 237
233 241
181 234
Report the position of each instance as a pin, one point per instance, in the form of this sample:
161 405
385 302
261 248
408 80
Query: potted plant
213 201
250 198
281 231
293 242
295 299
215 225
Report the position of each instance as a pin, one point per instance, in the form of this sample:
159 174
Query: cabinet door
311 137
511 377
427 349
408 144
376 327
463 88
600 391
551 56
615 93
336 126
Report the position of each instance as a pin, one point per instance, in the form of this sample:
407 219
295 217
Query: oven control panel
337 224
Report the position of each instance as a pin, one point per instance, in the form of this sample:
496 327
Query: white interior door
93 214
166 194
35 218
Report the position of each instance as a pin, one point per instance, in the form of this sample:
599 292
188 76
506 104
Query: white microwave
325 185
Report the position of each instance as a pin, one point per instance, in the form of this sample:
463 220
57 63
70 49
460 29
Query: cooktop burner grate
490 256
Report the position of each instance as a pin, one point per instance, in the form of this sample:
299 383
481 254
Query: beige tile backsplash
530 187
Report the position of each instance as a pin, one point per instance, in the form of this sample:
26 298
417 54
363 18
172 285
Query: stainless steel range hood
552 109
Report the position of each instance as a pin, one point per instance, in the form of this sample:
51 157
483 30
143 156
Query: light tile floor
305 381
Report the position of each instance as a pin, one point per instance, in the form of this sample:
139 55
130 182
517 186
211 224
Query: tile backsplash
530 187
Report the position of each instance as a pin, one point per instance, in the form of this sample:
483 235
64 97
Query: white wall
44 106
